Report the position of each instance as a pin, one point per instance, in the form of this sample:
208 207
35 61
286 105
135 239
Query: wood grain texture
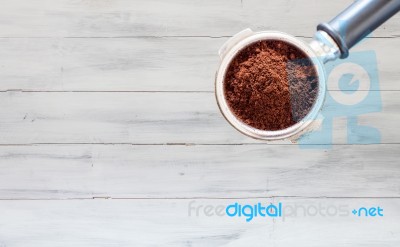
152 118
167 223
137 64
178 171
114 99
92 18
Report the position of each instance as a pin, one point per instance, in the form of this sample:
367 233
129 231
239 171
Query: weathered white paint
61 149
106 18
137 64
178 171
147 118
167 223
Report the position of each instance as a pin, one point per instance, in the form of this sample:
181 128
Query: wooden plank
131 146
340 231
137 64
167 223
178 171
89 18
152 118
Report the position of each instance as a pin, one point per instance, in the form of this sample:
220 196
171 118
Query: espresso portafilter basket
331 41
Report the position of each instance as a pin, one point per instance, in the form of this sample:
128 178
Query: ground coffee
271 85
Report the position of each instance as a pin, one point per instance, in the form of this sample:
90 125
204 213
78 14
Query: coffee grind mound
271 85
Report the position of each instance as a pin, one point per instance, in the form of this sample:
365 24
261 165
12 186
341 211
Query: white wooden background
109 128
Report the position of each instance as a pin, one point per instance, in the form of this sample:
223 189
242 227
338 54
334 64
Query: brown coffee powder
271 85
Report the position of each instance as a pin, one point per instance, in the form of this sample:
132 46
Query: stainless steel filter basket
331 41
229 51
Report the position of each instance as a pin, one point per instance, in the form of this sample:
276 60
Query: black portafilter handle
357 21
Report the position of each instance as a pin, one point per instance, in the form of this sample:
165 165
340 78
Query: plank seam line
189 144
148 91
200 198
102 91
158 37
